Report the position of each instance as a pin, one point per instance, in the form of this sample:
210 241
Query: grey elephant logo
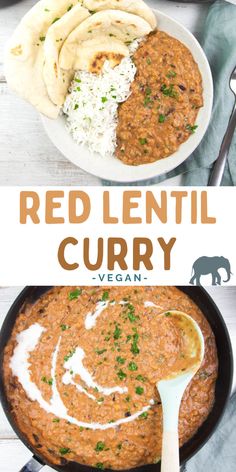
210 265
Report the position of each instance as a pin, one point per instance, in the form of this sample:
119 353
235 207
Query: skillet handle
32 466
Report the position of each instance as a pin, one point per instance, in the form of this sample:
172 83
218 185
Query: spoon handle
219 165
170 451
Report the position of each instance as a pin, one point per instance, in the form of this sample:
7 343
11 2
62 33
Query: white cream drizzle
149 304
91 317
75 364
27 341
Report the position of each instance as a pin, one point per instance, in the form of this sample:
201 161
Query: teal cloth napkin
219 453
218 40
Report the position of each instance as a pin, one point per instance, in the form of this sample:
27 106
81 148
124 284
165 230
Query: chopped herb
105 296
128 398
46 9
55 19
117 332
134 346
75 294
143 141
128 338
100 446
78 81
132 366
169 91
81 428
171 74
107 338
104 99
64 450
56 420
147 100
69 8
47 381
148 91
168 313
191 129
144 415
120 360
68 356
139 390
64 327
122 375
99 465
141 378
76 106
119 446
148 60
100 400
161 118
100 351
42 38
78 89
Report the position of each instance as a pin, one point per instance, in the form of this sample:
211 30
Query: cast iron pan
223 384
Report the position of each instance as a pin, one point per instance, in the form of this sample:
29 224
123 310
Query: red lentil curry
121 347
166 95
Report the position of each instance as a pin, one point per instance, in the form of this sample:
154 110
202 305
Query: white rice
91 106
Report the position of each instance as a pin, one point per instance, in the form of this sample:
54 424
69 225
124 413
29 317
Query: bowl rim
5 333
114 170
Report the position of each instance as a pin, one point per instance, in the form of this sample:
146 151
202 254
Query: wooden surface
27 157
13 454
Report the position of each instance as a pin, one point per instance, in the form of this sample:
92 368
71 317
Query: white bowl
111 168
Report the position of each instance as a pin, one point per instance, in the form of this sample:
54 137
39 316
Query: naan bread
56 79
25 54
113 24
92 54
138 7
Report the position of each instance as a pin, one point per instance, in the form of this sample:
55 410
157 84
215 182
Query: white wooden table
27 157
13 454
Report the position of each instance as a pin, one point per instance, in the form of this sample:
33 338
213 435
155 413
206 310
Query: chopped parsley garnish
104 99
148 91
139 390
148 60
191 129
141 378
171 74
47 381
68 356
161 118
134 345
78 81
132 366
168 313
122 375
105 296
131 313
128 398
143 141
46 9
76 106
117 332
75 294
42 38
78 89
100 351
147 100
120 360
169 91
99 465
128 337
100 446
81 428
64 450
64 327
144 415
69 8
56 420
119 446
100 400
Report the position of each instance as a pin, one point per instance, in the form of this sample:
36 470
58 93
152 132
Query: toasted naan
138 7
25 54
113 24
56 79
93 54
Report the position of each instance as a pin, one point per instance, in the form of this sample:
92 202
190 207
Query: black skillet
223 384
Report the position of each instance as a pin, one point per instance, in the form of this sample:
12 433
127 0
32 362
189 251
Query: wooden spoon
172 388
